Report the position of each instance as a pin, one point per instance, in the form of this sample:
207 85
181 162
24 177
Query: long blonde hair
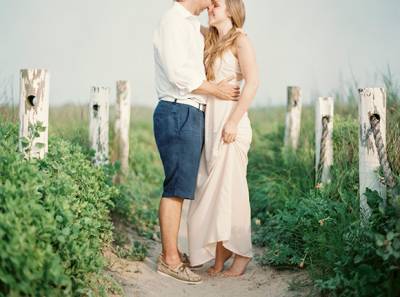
214 47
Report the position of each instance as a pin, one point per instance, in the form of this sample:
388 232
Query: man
179 121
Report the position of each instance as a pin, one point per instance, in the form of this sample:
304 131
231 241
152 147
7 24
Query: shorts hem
178 195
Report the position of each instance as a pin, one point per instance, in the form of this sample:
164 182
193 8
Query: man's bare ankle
172 260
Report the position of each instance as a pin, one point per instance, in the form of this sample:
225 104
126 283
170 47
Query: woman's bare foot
221 256
238 266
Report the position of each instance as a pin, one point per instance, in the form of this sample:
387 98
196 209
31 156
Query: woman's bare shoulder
242 39
241 42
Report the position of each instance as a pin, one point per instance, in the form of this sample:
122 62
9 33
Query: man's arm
222 90
174 56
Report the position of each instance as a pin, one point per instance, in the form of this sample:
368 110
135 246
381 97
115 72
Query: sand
140 279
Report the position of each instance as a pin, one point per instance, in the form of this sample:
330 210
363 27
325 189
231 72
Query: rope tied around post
382 153
323 148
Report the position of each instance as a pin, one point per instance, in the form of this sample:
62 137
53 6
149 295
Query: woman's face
217 12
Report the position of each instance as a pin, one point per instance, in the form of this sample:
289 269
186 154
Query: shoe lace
182 267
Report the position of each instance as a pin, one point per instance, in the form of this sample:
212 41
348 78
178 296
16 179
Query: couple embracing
206 78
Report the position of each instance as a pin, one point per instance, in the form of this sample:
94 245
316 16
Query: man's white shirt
178 54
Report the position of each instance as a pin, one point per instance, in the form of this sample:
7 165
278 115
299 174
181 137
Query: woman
219 222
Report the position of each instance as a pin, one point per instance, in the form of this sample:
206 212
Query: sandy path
140 279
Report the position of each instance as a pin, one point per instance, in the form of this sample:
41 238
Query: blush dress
221 208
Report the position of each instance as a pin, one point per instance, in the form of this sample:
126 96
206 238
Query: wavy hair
214 47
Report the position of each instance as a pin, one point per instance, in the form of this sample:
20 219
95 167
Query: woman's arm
247 60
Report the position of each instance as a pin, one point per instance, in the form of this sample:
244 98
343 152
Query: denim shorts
179 134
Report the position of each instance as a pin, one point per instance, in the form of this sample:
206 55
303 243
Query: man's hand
227 91
229 132
222 90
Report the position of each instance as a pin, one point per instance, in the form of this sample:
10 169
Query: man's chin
197 13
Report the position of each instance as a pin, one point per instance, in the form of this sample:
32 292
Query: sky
319 45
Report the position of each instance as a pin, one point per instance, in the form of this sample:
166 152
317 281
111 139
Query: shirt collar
183 11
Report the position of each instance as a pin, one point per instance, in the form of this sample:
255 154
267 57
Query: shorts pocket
190 121
183 119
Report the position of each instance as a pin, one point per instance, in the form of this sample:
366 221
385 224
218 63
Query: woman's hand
229 132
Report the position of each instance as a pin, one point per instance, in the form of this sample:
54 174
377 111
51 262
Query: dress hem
209 250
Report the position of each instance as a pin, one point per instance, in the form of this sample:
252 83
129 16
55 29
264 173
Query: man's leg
170 216
170 263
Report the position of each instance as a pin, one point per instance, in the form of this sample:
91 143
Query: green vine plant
27 142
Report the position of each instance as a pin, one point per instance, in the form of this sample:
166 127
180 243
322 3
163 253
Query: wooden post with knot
98 123
323 139
372 104
34 112
293 117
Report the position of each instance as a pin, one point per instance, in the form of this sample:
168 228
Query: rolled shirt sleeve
179 53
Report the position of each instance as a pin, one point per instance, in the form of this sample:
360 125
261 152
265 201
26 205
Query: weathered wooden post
122 123
34 112
98 126
372 104
293 117
323 138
